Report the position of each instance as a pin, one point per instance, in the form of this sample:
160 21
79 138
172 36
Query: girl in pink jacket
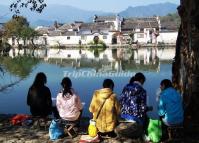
68 102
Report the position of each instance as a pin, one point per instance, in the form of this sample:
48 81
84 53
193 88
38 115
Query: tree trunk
186 65
19 48
34 47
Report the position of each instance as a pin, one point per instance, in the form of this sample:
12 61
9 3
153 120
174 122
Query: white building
142 30
109 29
103 30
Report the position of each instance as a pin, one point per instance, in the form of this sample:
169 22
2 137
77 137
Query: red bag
19 118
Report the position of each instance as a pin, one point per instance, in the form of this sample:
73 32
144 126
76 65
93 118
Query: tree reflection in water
20 67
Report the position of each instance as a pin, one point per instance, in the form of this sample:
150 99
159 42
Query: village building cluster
108 29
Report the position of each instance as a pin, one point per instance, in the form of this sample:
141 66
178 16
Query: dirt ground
32 134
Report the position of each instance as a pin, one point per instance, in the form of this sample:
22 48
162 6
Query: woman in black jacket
39 97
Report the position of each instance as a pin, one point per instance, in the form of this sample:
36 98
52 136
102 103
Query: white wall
167 37
62 40
89 38
15 42
74 54
139 39
166 54
146 36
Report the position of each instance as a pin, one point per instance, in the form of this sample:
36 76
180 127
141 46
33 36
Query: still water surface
87 72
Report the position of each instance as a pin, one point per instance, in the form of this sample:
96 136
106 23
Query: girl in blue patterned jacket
133 100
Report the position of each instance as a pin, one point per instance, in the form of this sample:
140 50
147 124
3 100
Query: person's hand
161 117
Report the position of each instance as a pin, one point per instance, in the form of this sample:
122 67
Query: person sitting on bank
170 107
68 102
133 100
107 116
39 97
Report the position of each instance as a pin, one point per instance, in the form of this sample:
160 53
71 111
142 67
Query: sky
101 5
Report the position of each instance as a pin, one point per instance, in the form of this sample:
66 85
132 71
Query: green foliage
19 66
97 48
131 40
101 45
172 18
28 33
4 48
96 40
19 28
15 26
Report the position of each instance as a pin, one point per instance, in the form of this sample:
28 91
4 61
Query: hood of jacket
104 93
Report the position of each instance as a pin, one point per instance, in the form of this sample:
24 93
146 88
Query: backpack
55 130
155 130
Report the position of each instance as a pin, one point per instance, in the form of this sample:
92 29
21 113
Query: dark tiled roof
76 25
96 26
94 33
54 33
105 18
69 33
60 33
141 19
130 24
44 30
73 26
169 25
65 27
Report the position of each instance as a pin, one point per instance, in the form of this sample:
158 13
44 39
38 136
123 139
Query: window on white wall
104 37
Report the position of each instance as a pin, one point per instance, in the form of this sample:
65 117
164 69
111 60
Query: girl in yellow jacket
109 112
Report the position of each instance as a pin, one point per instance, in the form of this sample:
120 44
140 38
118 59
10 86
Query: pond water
87 71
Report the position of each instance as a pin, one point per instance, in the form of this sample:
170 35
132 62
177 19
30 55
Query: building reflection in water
115 60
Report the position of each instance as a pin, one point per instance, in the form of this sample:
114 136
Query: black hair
66 84
166 82
139 77
40 80
132 79
108 83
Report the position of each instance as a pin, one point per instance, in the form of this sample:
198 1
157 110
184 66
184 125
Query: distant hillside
53 13
67 14
160 9
41 22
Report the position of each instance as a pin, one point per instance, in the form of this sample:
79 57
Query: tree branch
33 5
